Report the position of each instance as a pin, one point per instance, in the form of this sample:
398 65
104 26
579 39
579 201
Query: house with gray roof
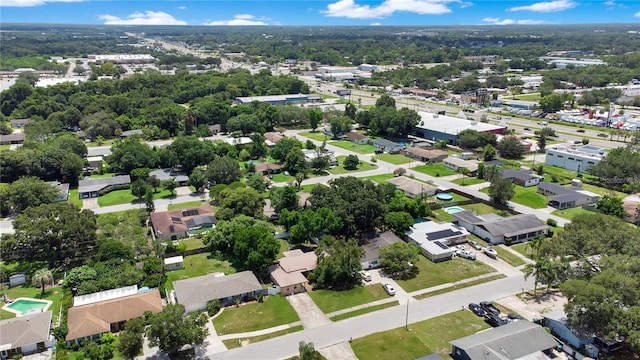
91 188
19 123
561 197
167 174
517 340
522 177
498 230
25 334
388 146
129 133
371 247
195 293
412 188
11 139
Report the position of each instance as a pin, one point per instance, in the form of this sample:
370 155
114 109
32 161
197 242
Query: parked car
466 254
580 130
490 251
527 129
477 309
364 275
543 123
489 308
389 289
577 142
495 320
475 245
602 135
379 151
514 317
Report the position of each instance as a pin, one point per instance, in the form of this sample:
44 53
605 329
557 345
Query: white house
434 239
497 230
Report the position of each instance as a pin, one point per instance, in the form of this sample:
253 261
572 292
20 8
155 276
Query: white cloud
31 3
349 9
239 19
637 14
549 6
182 7
609 3
146 18
465 4
376 24
497 21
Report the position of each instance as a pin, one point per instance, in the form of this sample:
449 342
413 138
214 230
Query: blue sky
320 12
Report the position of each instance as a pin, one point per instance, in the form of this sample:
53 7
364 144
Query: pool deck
18 313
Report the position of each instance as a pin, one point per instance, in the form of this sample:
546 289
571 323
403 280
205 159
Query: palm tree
464 171
42 277
539 270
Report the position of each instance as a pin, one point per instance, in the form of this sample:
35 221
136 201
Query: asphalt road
287 346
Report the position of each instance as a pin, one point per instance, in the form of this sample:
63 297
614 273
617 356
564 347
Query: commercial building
496 229
442 127
122 58
579 158
281 99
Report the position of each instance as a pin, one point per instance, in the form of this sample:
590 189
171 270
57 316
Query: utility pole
406 319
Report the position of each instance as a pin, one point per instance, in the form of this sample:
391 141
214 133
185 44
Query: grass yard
234 343
284 246
395 159
435 170
351 146
338 170
468 181
274 311
425 337
571 213
528 196
603 191
74 198
432 274
280 178
329 300
198 265
318 135
522 249
380 179
461 286
442 215
482 208
307 188
101 176
364 311
185 205
124 196
526 97
30 291
193 243
126 227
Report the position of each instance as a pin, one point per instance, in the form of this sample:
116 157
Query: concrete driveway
310 314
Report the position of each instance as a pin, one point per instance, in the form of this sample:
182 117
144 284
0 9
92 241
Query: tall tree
131 342
139 189
501 190
171 329
511 148
399 260
245 201
315 117
224 170
338 264
170 184
284 198
41 278
30 191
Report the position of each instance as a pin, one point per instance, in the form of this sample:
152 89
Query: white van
364 275
543 123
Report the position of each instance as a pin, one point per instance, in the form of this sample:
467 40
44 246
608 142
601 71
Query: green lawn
526 97
318 135
571 213
528 196
126 227
234 343
30 291
522 249
425 337
351 146
364 311
380 179
435 170
192 243
101 176
307 188
274 311
468 181
329 301
124 196
74 198
185 205
481 208
281 177
198 265
395 159
504 254
5 147
442 215
432 274
338 170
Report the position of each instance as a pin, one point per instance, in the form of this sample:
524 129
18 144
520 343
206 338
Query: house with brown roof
92 320
271 138
357 138
457 163
411 187
11 139
177 224
371 247
195 293
268 168
19 123
290 273
425 155
25 335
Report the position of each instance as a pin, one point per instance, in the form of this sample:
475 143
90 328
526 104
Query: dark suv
495 320
489 308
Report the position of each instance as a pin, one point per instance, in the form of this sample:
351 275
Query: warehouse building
442 127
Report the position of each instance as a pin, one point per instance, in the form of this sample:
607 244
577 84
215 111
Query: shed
174 263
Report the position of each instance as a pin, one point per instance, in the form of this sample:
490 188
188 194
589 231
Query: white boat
490 251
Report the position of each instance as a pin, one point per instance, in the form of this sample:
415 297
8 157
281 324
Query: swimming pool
25 306
453 209
444 196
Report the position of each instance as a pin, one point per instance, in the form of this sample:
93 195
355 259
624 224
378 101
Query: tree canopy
338 264
170 329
